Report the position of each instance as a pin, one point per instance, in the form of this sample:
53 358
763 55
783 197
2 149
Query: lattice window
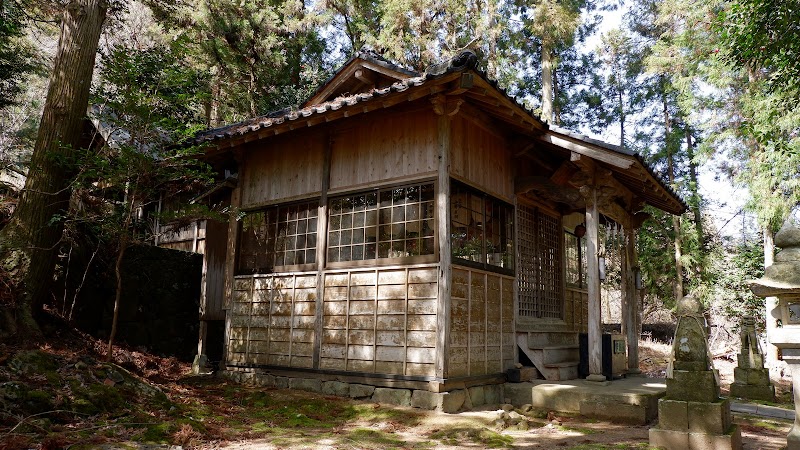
278 236
391 223
540 272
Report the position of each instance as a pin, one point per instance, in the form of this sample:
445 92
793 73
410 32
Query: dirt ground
414 429
63 395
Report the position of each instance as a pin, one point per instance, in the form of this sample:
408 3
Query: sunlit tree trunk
547 83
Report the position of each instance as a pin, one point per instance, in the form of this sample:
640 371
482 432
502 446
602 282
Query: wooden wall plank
384 147
482 323
278 171
481 158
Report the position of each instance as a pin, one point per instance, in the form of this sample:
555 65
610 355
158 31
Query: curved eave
629 168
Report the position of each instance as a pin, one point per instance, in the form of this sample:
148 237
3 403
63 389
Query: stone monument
692 415
751 379
782 280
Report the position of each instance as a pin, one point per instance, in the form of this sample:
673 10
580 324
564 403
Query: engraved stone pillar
751 379
692 415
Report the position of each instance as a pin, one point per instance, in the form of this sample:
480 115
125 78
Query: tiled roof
291 114
466 61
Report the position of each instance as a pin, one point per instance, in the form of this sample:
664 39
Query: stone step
554 369
563 364
633 400
561 353
551 339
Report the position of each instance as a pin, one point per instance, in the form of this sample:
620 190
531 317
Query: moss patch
481 436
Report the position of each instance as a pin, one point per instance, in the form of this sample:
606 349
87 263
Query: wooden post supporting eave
593 285
444 110
322 245
630 299
230 256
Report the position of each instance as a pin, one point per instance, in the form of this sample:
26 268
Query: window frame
390 261
580 262
275 268
509 208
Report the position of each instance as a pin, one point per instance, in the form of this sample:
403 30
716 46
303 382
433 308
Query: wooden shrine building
416 229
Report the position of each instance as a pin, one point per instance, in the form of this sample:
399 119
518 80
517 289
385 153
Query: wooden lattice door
540 271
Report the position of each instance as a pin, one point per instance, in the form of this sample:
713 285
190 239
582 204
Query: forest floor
61 394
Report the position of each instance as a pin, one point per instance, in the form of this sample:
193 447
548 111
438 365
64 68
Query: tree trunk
676 220
28 244
620 98
547 84
556 106
123 245
695 189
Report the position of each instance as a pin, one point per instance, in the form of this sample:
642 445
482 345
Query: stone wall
160 303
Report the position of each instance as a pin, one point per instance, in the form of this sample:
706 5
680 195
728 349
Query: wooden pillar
322 245
230 254
593 285
630 313
445 110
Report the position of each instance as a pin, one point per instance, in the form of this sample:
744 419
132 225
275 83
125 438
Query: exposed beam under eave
606 156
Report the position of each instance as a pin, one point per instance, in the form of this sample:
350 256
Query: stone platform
629 400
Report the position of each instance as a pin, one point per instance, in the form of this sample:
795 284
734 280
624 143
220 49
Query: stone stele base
752 392
685 440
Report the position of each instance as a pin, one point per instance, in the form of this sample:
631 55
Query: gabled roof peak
363 72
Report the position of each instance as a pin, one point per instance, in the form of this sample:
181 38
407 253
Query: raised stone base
752 392
695 417
756 377
448 402
686 440
693 385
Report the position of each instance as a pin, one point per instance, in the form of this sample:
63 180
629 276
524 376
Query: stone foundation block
673 415
729 441
282 382
710 418
617 412
755 377
753 392
692 386
684 440
521 393
336 388
452 401
493 394
306 384
265 380
477 395
361 390
247 378
755 361
448 402
425 399
669 439
391 396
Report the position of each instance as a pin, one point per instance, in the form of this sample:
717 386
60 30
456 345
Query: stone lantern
782 280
